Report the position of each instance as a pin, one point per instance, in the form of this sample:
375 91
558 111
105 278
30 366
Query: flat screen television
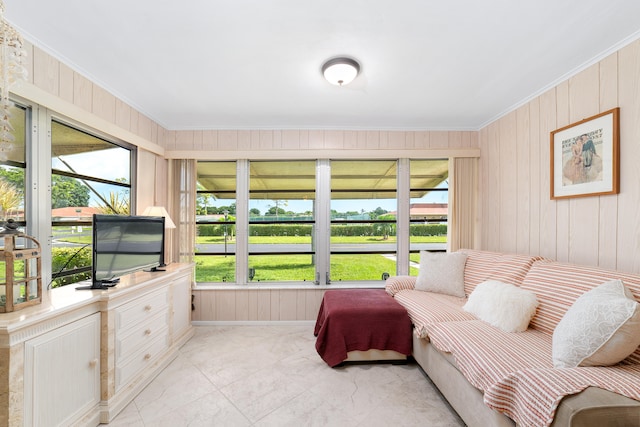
124 245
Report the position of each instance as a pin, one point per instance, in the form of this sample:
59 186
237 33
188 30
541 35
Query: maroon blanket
360 319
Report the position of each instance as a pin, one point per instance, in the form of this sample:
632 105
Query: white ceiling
255 64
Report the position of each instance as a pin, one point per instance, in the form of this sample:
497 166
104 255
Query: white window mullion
403 217
38 185
322 236
242 222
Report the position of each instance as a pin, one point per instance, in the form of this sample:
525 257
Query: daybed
496 378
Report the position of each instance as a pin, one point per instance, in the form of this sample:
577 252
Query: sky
107 164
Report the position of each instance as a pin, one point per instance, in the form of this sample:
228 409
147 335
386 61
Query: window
88 175
323 221
12 170
428 208
363 219
215 222
281 221
12 178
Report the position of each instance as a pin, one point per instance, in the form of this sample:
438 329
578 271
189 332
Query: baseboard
310 323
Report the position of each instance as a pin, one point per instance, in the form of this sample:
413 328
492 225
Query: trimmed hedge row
75 258
428 230
336 230
215 230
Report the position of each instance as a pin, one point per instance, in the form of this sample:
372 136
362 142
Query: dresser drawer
129 315
140 335
140 360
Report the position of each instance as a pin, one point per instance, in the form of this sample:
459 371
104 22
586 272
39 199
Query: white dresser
81 356
141 334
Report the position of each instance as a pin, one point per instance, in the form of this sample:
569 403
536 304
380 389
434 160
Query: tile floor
272 376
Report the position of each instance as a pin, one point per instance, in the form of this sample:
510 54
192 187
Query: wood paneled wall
201 144
256 304
516 212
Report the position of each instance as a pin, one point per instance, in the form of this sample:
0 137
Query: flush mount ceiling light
340 71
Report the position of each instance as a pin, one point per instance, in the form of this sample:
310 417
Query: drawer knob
93 363
147 356
147 332
147 307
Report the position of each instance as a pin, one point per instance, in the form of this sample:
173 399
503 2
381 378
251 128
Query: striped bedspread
483 265
426 308
515 371
531 396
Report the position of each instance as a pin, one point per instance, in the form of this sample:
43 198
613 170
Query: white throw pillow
502 305
601 328
442 273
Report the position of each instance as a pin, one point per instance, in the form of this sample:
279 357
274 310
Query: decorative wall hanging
585 157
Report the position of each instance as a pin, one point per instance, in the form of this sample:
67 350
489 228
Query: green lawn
282 268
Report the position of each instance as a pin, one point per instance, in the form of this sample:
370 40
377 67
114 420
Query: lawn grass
360 267
284 268
215 268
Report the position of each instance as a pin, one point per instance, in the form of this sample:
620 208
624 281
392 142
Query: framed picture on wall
585 157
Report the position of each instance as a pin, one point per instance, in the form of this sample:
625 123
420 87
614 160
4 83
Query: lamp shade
159 211
340 71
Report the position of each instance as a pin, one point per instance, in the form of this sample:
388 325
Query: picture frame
585 157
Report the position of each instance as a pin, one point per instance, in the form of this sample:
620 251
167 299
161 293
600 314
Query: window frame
323 223
25 166
52 117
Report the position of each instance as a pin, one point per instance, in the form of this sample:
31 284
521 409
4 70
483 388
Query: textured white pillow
601 328
502 305
442 273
